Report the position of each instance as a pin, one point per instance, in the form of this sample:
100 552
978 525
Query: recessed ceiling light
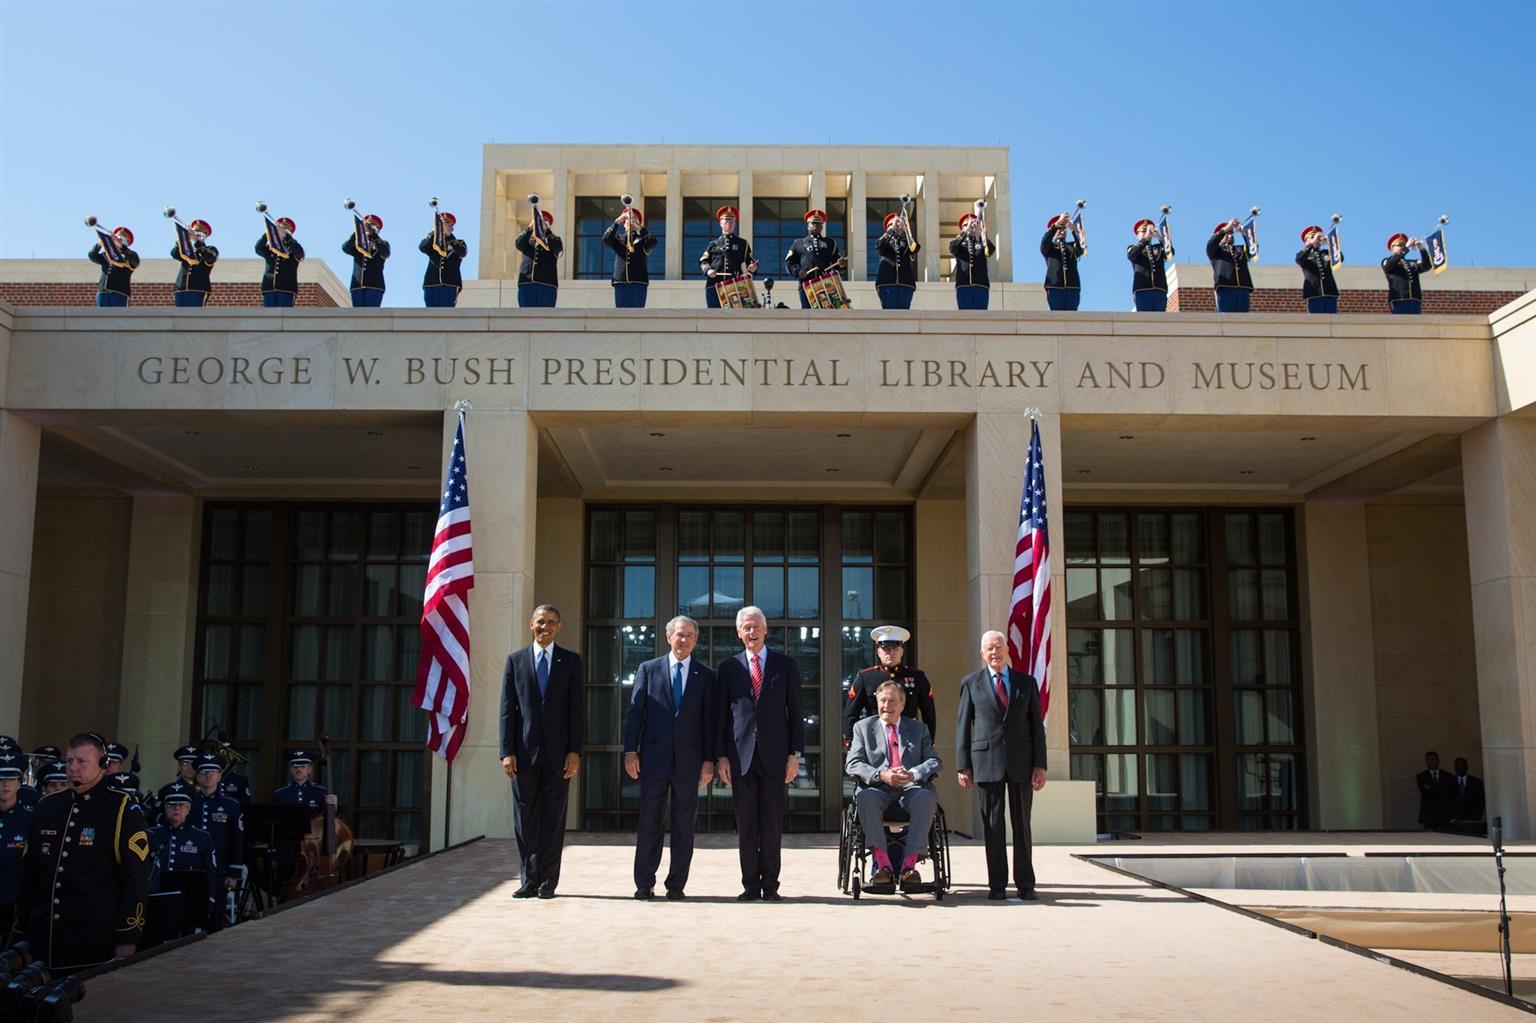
251 468
413 468
375 433
830 469
1309 438
1084 472
1246 472
1127 436
193 433
658 435
845 435
666 468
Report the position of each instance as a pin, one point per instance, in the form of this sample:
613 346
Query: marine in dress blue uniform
179 845
917 691
1318 287
971 249
194 273
444 280
220 816
1149 268
1404 294
538 275
15 826
116 282
1229 269
367 263
632 245
814 254
1063 286
280 280
896 276
727 256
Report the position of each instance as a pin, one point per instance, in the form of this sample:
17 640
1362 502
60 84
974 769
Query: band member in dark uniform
538 280
441 286
220 816
971 249
93 911
301 790
1404 293
890 645
116 274
179 845
194 273
15 826
1063 286
812 255
367 263
1149 269
1229 269
726 256
53 777
632 245
280 282
896 277
1317 283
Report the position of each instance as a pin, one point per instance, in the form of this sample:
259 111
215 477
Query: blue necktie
543 673
677 686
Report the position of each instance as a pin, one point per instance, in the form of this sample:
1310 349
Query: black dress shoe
643 894
749 896
525 892
997 895
546 890
772 897
1028 895
675 895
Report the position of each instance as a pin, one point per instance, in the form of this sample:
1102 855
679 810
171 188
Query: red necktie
894 746
1002 694
757 678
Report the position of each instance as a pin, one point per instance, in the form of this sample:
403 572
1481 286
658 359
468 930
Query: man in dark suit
542 730
1468 802
1434 793
762 733
669 747
1000 748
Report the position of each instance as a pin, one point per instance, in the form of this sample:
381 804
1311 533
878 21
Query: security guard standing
300 791
220 816
632 245
280 281
443 281
179 845
890 645
15 826
85 875
367 263
971 249
1149 268
726 256
1317 284
194 274
814 254
1063 285
1229 269
538 276
116 282
896 277
1404 295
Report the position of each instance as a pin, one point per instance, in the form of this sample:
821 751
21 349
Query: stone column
928 230
1498 465
1341 668
674 243
858 249
502 450
942 643
159 626
19 445
744 204
818 190
999 224
565 222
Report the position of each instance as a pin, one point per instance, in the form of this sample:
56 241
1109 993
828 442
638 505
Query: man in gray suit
1000 747
893 758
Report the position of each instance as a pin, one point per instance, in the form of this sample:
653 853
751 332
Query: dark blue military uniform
1149 274
194 279
309 794
728 256
15 826
1063 285
367 271
236 787
972 283
1229 273
187 848
280 281
631 268
116 282
1404 293
808 257
220 816
896 277
443 281
1317 284
538 278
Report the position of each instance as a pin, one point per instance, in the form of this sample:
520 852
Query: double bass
326 850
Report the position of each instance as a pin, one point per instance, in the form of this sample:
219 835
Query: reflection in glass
1193 717
338 711
729 594
1119 717
603 539
1241 549
804 592
730 536
1114 538
1272 545
346 530
216 644
639 535
301 713
1158 705
223 534
1116 584
639 591
858 537
1080 548
890 537
1084 708
768 589
383 534
1188 538
1248 705
1082 594
767 536
693 535
804 537
858 586
1152 538
309 536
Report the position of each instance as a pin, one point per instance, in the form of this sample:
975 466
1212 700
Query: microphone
1496 832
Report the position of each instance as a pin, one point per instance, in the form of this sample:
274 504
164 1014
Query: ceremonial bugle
906 223
538 221
107 240
625 202
183 234
360 236
1078 227
439 229
980 207
1165 230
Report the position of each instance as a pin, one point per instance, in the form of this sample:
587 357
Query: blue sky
1390 113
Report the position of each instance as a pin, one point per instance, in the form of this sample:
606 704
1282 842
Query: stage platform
444 939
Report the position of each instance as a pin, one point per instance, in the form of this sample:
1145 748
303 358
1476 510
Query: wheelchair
853 857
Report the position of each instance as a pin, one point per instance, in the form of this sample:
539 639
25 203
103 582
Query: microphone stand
1496 832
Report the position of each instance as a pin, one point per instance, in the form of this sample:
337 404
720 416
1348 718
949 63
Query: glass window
776 225
656 222
591 259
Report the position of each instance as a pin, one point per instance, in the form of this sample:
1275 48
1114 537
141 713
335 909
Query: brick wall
1289 300
80 293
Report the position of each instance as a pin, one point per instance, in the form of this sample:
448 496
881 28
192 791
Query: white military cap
889 634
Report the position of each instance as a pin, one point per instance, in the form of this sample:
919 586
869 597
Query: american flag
1029 616
442 677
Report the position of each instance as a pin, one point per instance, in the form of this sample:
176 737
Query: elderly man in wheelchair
893 759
